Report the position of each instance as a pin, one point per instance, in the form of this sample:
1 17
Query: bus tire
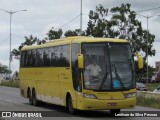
30 97
34 98
70 105
115 111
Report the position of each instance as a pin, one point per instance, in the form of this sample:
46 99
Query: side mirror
80 61
140 61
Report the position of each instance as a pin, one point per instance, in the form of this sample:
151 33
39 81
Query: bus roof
74 39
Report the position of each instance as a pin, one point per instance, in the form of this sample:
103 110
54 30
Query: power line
149 9
67 22
61 25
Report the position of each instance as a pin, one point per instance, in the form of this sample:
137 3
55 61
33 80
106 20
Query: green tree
75 32
131 29
99 25
53 34
122 24
4 69
28 41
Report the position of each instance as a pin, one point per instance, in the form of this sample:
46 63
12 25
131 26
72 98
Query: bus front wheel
70 105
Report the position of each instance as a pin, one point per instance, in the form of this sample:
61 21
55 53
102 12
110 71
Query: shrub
148 102
10 83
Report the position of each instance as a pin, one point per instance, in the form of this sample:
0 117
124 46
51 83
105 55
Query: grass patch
153 86
10 83
148 102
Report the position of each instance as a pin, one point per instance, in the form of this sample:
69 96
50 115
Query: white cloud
41 15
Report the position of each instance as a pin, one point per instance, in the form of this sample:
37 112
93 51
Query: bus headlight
130 95
89 96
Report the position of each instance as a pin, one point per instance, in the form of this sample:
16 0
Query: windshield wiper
103 80
118 77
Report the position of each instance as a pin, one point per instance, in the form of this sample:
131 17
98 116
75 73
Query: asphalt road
10 100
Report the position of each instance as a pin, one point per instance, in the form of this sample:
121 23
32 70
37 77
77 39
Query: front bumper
95 104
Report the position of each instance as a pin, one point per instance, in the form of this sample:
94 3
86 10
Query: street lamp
147 17
11 12
81 19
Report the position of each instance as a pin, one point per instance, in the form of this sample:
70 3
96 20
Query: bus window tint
22 59
55 55
25 58
28 58
39 57
33 58
64 56
46 57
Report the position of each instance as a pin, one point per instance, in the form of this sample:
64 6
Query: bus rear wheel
70 105
34 98
30 98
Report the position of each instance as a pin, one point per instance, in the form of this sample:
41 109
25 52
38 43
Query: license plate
112 104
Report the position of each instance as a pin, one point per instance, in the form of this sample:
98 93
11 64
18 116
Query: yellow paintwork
56 82
103 98
76 39
95 104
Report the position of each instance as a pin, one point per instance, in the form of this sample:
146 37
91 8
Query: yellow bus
62 72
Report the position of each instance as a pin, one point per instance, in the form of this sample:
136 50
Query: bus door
76 73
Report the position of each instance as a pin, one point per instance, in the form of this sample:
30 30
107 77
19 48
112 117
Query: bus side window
28 58
65 56
55 56
39 58
33 58
22 63
52 49
46 57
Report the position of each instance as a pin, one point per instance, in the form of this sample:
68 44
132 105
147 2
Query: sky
42 15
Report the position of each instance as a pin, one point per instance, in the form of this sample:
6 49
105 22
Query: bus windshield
108 66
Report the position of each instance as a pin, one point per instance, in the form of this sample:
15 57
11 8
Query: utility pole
147 17
10 13
147 47
10 42
81 19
